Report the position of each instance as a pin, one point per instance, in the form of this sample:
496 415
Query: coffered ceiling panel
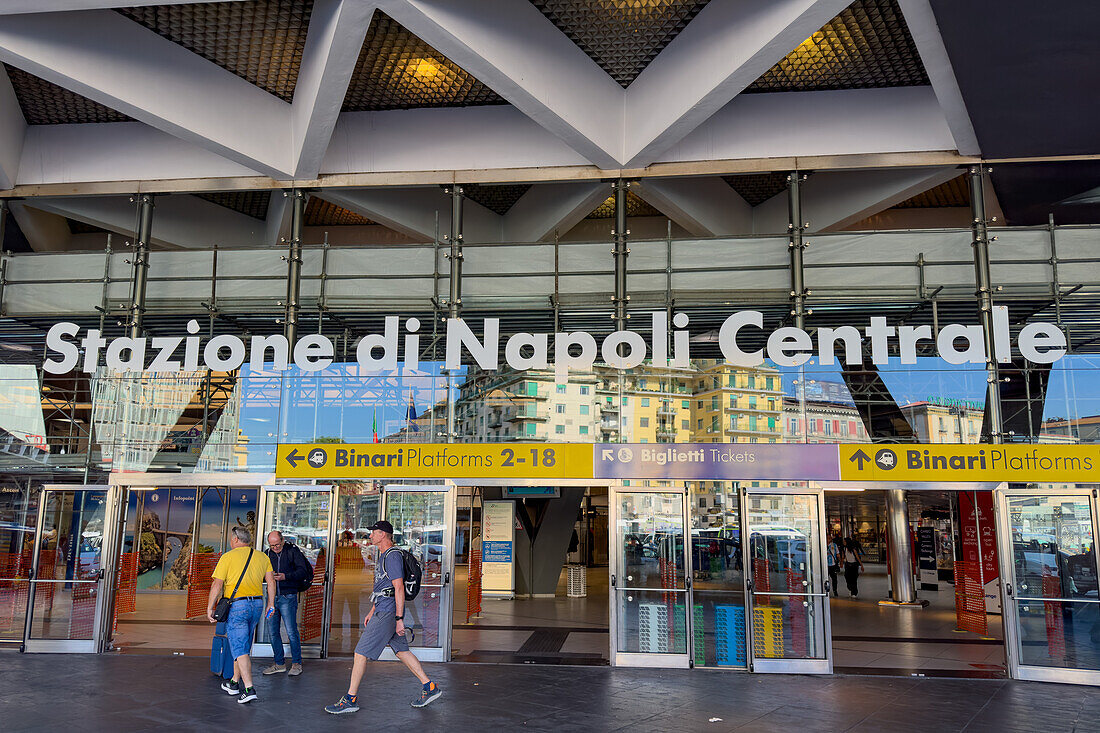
397 70
45 103
498 199
867 45
258 40
622 36
249 203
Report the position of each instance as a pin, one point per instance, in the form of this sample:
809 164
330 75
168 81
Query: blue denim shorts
240 627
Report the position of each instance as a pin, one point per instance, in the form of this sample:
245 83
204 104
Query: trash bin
578 581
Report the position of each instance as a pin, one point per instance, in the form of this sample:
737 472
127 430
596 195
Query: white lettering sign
788 346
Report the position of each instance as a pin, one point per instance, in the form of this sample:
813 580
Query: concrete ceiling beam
333 43
705 207
724 49
926 35
112 60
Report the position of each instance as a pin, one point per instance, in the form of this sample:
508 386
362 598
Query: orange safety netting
82 618
43 592
200 576
796 611
1056 632
760 579
970 598
473 583
313 605
313 609
125 586
14 587
349 557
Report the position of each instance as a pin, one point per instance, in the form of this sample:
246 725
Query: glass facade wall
387 381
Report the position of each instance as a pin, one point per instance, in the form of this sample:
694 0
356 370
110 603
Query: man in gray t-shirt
385 624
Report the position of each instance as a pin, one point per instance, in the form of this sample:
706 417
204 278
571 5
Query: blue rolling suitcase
221 660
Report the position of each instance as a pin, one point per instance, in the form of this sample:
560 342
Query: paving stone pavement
138 693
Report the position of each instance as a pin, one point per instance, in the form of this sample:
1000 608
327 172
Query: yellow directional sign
947 462
434 460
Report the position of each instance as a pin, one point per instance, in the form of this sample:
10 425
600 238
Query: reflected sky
341 401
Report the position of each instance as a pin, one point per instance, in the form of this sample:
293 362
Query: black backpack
412 571
307 581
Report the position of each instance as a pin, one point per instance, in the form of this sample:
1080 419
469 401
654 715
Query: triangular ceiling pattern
867 45
397 70
622 36
46 103
260 41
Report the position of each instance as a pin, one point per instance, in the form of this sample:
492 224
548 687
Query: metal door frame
787 666
312 650
644 659
124 482
442 653
1006 558
104 583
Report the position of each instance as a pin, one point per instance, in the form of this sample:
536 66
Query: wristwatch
400 618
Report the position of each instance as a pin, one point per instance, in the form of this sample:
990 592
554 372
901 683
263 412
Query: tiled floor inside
144 693
880 638
535 630
866 637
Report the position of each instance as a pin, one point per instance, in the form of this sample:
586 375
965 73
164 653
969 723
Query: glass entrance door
303 514
650 579
423 519
1049 576
69 588
787 581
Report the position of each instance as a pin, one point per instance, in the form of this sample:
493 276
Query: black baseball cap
383 525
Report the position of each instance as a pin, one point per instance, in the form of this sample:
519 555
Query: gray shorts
381 631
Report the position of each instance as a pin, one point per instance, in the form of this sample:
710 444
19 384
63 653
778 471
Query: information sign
716 461
497 549
435 460
956 462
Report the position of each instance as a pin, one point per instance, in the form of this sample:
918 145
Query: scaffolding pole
454 301
796 246
141 263
984 295
294 265
620 253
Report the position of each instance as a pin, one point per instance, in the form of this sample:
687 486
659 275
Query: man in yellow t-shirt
253 568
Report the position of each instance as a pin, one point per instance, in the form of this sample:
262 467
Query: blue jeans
240 627
286 608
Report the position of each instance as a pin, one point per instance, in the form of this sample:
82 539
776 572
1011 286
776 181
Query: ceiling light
425 69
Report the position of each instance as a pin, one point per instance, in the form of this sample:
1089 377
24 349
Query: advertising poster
979 542
497 549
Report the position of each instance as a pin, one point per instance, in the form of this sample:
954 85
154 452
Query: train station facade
665 297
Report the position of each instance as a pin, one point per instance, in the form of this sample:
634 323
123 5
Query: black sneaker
247 695
232 687
427 696
344 705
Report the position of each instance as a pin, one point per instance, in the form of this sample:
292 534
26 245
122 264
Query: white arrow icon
608 455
